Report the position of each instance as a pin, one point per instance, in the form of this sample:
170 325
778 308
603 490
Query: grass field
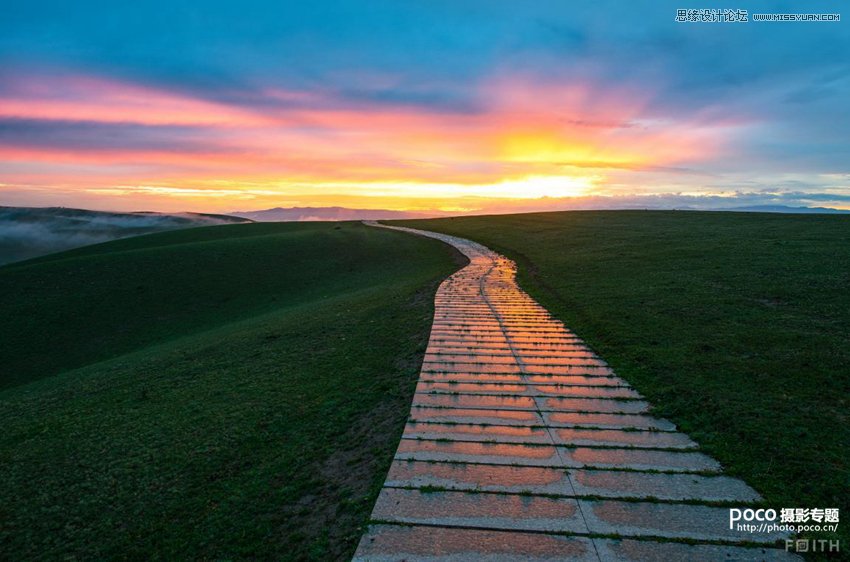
735 326
230 392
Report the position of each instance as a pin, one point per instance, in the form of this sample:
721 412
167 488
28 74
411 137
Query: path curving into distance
522 444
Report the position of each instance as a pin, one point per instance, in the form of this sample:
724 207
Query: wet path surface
522 444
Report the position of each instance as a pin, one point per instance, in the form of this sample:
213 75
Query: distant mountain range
785 209
291 214
28 232
329 214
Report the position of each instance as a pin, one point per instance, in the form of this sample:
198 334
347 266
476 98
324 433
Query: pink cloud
525 127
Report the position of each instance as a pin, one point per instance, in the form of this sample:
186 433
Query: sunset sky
457 106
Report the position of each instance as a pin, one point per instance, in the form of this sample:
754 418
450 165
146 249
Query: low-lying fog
30 232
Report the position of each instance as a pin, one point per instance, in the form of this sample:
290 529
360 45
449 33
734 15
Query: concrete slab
391 543
468 432
573 370
458 338
435 367
533 339
481 477
455 347
461 415
666 520
629 550
488 453
578 360
620 484
470 355
641 459
533 348
469 509
595 405
581 380
475 401
612 421
575 356
584 391
616 437
472 388
474 377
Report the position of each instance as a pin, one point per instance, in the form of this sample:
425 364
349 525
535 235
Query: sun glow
530 187
551 148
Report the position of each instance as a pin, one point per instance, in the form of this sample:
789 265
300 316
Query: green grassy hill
229 392
735 325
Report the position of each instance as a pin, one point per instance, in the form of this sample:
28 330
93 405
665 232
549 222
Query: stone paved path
522 444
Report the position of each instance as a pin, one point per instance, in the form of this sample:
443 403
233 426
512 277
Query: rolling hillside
228 392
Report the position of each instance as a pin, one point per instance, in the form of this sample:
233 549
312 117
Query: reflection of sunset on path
523 444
